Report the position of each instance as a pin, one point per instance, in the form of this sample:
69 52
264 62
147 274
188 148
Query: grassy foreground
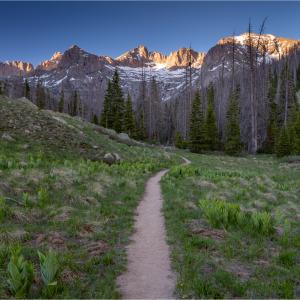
56 193
233 226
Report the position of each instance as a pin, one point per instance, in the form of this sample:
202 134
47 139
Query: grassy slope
58 194
234 260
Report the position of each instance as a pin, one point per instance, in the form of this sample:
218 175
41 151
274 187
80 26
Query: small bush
20 275
220 213
43 197
262 222
286 258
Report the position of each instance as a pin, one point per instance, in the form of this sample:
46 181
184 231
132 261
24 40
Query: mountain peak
274 45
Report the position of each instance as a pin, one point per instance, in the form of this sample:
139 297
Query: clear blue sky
33 31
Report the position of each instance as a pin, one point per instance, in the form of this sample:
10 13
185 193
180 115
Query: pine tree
141 129
113 107
106 119
211 131
293 128
118 103
95 120
283 145
196 132
296 129
129 120
232 132
272 129
26 90
298 78
61 103
73 104
40 96
180 142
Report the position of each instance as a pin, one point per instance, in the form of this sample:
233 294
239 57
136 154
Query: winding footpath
149 274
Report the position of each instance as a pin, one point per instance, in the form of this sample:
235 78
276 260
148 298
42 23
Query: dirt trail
149 272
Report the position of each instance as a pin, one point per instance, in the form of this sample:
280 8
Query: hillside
56 192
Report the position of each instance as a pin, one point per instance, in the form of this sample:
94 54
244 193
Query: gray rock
7 137
111 158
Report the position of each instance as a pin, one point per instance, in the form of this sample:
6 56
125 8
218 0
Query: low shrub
220 213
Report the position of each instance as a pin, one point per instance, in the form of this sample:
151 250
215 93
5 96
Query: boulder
111 158
5 136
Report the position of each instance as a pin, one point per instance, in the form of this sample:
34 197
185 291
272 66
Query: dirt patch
63 214
52 239
215 234
241 271
205 184
87 230
35 176
97 248
97 188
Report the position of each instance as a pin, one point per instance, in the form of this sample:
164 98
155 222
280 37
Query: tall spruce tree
118 103
95 120
298 78
272 129
40 96
296 139
211 131
26 89
129 120
233 143
283 145
113 107
141 128
197 128
106 119
61 103
74 104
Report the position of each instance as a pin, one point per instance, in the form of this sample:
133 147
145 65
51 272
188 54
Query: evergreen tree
232 132
129 120
196 132
26 90
40 96
283 145
298 78
113 107
61 103
293 129
1 88
296 131
211 131
73 104
118 103
106 119
180 142
95 120
272 131
141 129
